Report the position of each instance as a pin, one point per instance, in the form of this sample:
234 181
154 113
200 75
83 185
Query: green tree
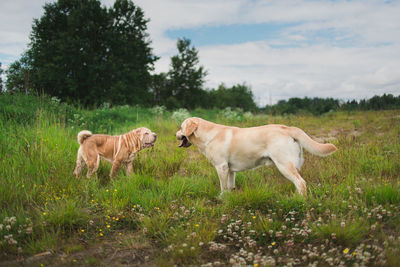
84 52
160 88
186 77
19 76
1 78
131 56
237 96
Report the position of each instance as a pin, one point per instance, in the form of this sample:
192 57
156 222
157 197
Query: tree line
318 106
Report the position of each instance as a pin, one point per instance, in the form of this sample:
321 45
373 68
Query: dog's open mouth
148 144
185 142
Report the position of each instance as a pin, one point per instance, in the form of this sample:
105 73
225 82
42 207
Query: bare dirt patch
114 251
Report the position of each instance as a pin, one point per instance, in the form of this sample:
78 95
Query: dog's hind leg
80 164
288 170
93 166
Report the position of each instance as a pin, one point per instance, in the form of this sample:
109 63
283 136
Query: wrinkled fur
117 149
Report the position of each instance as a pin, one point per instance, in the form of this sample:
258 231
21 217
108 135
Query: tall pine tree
186 77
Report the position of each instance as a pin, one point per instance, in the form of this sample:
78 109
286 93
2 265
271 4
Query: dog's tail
310 145
82 135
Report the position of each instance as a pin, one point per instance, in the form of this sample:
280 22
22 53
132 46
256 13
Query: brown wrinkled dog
117 149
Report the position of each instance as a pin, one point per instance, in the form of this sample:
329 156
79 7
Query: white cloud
16 18
313 71
365 66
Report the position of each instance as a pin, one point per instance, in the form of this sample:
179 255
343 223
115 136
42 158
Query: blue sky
241 33
282 49
229 34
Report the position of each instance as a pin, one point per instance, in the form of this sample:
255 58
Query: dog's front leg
223 173
115 167
129 168
231 180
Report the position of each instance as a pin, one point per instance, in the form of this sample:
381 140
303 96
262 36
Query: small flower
346 250
108 226
333 235
271 232
82 230
197 225
254 217
44 213
273 243
101 234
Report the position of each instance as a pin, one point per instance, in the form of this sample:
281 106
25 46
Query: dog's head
146 137
188 127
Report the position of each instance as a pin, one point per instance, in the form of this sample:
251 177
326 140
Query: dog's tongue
182 143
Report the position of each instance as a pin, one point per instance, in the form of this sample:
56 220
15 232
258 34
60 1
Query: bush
180 114
158 110
232 114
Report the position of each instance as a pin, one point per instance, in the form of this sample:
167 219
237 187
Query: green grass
168 211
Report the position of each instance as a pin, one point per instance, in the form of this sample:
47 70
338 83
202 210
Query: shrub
158 110
232 114
180 114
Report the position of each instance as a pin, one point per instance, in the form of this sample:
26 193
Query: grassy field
168 212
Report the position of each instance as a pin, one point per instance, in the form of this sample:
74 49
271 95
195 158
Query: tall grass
169 209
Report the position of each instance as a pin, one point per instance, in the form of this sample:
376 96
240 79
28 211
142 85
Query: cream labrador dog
117 149
233 149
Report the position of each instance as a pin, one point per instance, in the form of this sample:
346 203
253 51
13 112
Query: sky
281 48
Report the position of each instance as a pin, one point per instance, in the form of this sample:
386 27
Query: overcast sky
282 49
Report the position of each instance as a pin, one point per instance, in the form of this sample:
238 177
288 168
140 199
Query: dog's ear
190 127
